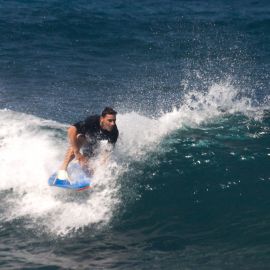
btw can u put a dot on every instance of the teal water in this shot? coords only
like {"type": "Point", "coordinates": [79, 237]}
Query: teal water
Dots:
{"type": "Point", "coordinates": [187, 186]}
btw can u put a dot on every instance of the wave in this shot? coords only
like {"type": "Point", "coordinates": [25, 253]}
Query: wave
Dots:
{"type": "Point", "coordinates": [32, 148]}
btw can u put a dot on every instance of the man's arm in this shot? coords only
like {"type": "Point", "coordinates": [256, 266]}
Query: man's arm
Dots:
{"type": "Point", "coordinates": [72, 135]}
{"type": "Point", "coordinates": [75, 143]}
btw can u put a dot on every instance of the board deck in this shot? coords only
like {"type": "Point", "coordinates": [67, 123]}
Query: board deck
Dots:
{"type": "Point", "coordinates": [78, 179]}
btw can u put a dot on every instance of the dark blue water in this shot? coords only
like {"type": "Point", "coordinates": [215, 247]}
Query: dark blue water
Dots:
{"type": "Point", "coordinates": [187, 186]}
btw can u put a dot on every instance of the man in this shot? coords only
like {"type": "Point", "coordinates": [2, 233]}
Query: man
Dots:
{"type": "Point", "coordinates": [86, 137]}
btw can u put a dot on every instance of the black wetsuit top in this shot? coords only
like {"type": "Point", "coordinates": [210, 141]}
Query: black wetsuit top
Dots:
{"type": "Point", "coordinates": [93, 133]}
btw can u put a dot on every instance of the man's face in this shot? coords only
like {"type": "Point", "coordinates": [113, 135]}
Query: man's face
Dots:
{"type": "Point", "coordinates": [108, 122]}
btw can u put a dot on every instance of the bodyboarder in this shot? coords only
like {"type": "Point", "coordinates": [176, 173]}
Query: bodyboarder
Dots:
{"type": "Point", "coordinates": [85, 138]}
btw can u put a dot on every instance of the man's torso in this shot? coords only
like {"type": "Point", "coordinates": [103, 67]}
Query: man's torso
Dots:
{"type": "Point", "coordinates": [94, 134]}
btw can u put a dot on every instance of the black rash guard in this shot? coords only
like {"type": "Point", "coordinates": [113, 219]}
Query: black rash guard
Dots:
{"type": "Point", "coordinates": [93, 133]}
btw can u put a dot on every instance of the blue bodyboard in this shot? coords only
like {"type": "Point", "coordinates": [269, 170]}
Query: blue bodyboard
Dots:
{"type": "Point", "coordinates": [78, 179]}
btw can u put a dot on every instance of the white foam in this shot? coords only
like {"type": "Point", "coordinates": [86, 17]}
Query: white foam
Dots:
{"type": "Point", "coordinates": [29, 154]}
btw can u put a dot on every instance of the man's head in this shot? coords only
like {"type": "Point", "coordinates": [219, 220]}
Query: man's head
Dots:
{"type": "Point", "coordinates": [108, 119]}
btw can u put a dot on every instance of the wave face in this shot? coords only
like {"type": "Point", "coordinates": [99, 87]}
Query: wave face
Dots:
{"type": "Point", "coordinates": [186, 186]}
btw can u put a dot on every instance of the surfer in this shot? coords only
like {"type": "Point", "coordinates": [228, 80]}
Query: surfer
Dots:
{"type": "Point", "coordinates": [88, 136]}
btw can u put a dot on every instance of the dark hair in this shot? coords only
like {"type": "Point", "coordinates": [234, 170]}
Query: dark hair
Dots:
{"type": "Point", "coordinates": [108, 110]}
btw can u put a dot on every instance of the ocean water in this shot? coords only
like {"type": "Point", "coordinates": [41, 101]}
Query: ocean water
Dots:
{"type": "Point", "coordinates": [188, 184]}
